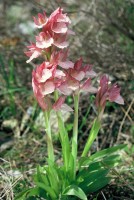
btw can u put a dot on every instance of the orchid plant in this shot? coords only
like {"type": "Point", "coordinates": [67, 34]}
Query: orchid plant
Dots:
{"type": "Point", "coordinates": [53, 81]}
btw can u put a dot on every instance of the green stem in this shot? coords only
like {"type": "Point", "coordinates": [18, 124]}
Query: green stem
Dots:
{"type": "Point", "coordinates": [49, 137]}
{"type": "Point", "coordinates": [63, 137]}
{"type": "Point", "coordinates": [75, 131]}
{"type": "Point", "coordinates": [92, 136]}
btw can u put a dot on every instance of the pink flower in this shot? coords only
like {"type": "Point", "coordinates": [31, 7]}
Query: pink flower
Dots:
{"type": "Point", "coordinates": [44, 72]}
{"type": "Point", "coordinates": [41, 21]}
{"type": "Point", "coordinates": [59, 21]}
{"type": "Point", "coordinates": [58, 16]}
{"type": "Point", "coordinates": [33, 52]}
{"type": "Point", "coordinates": [44, 40]}
{"type": "Point", "coordinates": [60, 40]}
{"type": "Point", "coordinates": [60, 58]}
{"type": "Point", "coordinates": [80, 72]}
{"type": "Point", "coordinates": [69, 85]}
{"type": "Point", "coordinates": [106, 92]}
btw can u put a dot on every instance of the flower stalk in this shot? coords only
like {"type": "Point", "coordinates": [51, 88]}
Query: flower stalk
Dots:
{"type": "Point", "coordinates": [63, 137]}
{"type": "Point", "coordinates": [92, 136]}
{"type": "Point", "coordinates": [75, 131]}
{"type": "Point", "coordinates": [50, 148]}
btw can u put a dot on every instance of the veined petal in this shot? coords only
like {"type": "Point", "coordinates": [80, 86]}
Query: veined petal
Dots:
{"type": "Point", "coordinates": [44, 40]}
{"type": "Point", "coordinates": [46, 74]}
{"type": "Point", "coordinates": [41, 20]}
{"type": "Point", "coordinates": [91, 74]}
{"type": "Point", "coordinates": [66, 64]}
{"type": "Point", "coordinates": [87, 87]}
{"type": "Point", "coordinates": [34, 55]}
{"type": "Point", "coordinates": [67, 108]}
{"type": "Point", "coordinates": [78, 75]}
{"type": "Point", "coordinates": [48, 88]}
{"type": "Point", "coordinates": [45, 43]}
{"type": "Point", "coordinates": [64, 89]}
{"type": "Point", "coordinates": [119, 100]}
{"type": "Point", "coordinates": [73, 84]}
{"type": "Point", "coordinates": [59, 73]}
{"type": "Point", "coordinates": [57, 105]}
{"type": "Point", "coordinates": [61, 45]}
{"type": "Point", "coordinates": [59, 27]}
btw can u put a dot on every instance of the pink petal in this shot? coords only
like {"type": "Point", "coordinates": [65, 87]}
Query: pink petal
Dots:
{"type": "Point", "coordinates": [59, 27]}
{"type": "Point", "coordinates": [48, 88]}
{"type": "Point", "coordinates": [42, 103]}
{"type": "Point", "coordinates": [57, 105]}
{"type": "Point", "coordinates": [34, 55]}
{"type": "Point", "coordinates": [73, 84]}
{"type": "Point", "coordinates": [78, 75]}
{"type": "Point", "coordinates": [64, 89]}
{"type": "Point", "coordinates": [119, 100]}
{"type": "Point", "coordinates": [59, 73]}
{"type": "Point", "coordinates": [78, 64]}
{"type": "Point", "coordinates": [91, 74]}
{"type": "Point", "coordinates": [46, 74]}
{"type": "Point", "coordinates": [41, 21]}
{"type": "Point", "coordinates": [67, 108]}
{"type": "Point", "coordinates": [61, 45]}
{"type": "Point", "coordinates": [44, 40]}
{"type": "Point", "coordinates": [87, 87]}
{"type": "Point", "coordinates": [63, 18]}
{"type": "Point", "coordinates": [67, 64]}
{"type": "Point", "coordinates": [44, 44]}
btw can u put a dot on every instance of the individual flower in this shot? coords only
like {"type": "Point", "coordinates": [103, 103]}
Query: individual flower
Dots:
{"type": "Point", "coordinates": [44, 40]}
{"type": "Point", "coordinates": [33, 52]}
{"type": "Point", "coordinates": [80, 72]}
{"type": "Point", "coordinates": [60, 58]}
{"type": "Point", "coordinates": [108, 92]}
{"type": "Point", "coordinates": [68, 86]}
{"type": "Point", "coordinates": [41, 20]}
{"type": "Point", "coordinates": [59, 21]}
{"type": "Point", "coordinates": [59, 40]}
{"type": "Point", "coordinates": [44, 72]}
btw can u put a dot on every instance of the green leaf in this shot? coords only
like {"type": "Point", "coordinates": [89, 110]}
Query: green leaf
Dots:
{"type": "Point", "coordinates": [74, 190]}
{"type": "Point", "coordinates": [99, 155]}
{"type": "Point", "coordinates": [71, 167]}
{"type": "Point", "coordinates": [52, 175]}
{"type": "Point", "coordinates": [33, 192]}
{"type": "Point", "coordinates": [90, 176]}
{"type": "Point", "coordinates": [111, 161]}
{"type": "Point", "coordinates": [48, 189]}
{"type": "Point", "coordinates": [97, 185]}
{"type": "Point", "coordinates": [106, 152]}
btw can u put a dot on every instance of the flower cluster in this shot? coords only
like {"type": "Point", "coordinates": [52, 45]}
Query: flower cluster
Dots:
{"type": "Point", "coordinates": [53, 34]}
{"type": "Point", "coordinates": [57, 72]}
